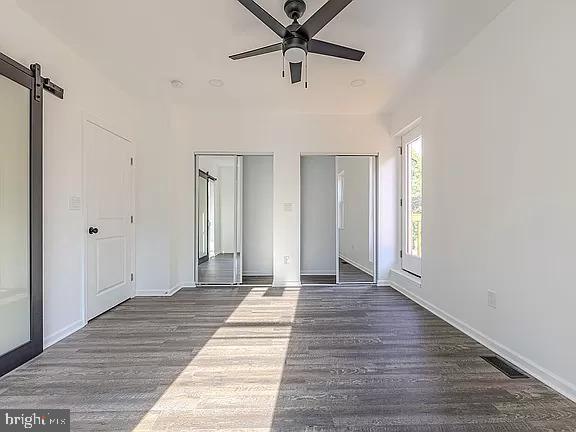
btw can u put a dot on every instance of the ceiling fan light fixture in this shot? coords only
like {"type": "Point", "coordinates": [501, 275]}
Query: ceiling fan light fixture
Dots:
{"type": "Point", "coordinates": [295, 55]}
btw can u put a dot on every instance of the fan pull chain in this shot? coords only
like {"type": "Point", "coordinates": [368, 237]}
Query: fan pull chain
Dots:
{"type": "Point", "coordinates": [306, 72]}
{"type": "Point", "coordinates": [283, 66]}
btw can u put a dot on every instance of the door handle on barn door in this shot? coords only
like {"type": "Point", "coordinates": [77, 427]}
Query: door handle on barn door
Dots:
{"type": "Point", "coordinates": [92, 230]}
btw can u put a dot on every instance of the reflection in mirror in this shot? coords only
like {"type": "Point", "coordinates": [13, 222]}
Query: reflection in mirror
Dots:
{"type": "Point", "coordinates": [318, 220]}
{"type": "Point", "coordinates": [257, 199]}
{"type": "Point", "coordinates": [355, 218]}
{"type": "Point", "coordinates": [215, 197]}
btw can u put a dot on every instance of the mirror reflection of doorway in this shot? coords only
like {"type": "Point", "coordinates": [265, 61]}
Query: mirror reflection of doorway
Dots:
{"type": "Point", "coordinates": [338, 219]}
{"type": "Point", "coordinates": [234, 204]}
{"type": "Point", "coordinates": [205, 216]}
{"type": "Point", "coordinates": [355, 219]}
{"type": "Point", "coordinates": [216, 219]}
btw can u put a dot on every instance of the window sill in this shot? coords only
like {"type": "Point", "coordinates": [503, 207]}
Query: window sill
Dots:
{"type": "Point", "coordinates": [405, 279]}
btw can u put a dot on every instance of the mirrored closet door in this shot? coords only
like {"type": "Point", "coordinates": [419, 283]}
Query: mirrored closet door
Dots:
{"type": "Point", "coordinates": [356, 217]}
{"type": "Point", "coordinates": [338, 219]}
{"type": "Point", "coordinates": [234, 209]}
{"type": "Point", "coordinates": [216, 213]}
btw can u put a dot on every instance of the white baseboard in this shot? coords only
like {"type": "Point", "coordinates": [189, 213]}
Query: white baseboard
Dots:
{"type": "Point", "coordinates": [165, 293]}
{"type": "Point", "coordinates": [406, 280]}
{"type": "Point", "coordinates": [61, 334]}
{"type": "Point", "coordinates": [286, 284]}
{"type": "Point", "coordinates": [542, 374]}
{"type": "Point", "coordinates": [383, 283]}
{"type": "Point", "coordinates": [357, 265]}
{"type": "Point", "coordinates": [331, 272]}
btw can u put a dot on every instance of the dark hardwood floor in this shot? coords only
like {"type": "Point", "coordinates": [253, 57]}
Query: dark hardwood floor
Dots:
{"type": "Point", "coordinates": [296, 359]}
{"type": "Point", "coordinates": [217, 270]}
{"type": "Point", "coordinates": [220, 270]}
{"type": "Point", "coordinates": [318, 279]}
{"type": "Point", "coordinates": [257, 280]}
{"type": "Point", "coordinates": [352, 274]}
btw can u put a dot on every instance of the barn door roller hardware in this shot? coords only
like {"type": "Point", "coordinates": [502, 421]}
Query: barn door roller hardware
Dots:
{"type": "Point", "coordinates": [41, 83]}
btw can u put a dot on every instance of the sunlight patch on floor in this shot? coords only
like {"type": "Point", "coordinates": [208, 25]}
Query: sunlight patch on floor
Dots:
{"type": "Point", "coordinates": [233, 382]}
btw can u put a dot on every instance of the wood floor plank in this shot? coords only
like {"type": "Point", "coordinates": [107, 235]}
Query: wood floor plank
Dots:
{"type": "Point", "coordinates": [326, 358]}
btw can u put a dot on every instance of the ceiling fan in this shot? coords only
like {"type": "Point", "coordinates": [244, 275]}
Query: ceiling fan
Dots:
{"type": "Point", "coordinates": [298, 39]}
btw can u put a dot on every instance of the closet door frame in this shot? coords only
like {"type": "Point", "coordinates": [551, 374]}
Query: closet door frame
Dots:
{"type": "Point", "coordinates": [238, 206]}
{"type": "Point", "coordinates": [32, 80]}
{"type": "Point", "coordinates": [375, 212]}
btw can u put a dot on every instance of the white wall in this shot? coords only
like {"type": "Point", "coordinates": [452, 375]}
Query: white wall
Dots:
{"type": "Point", "coordinates": [87, 93]}
{"type": "Point", "coordinates": [256, 132]}
{"type": "Point", "coordinates": [355, 237]}
{"type": "Point", "coordinates": [257, 197]}
{"type": "Point", "coordinates": [157, 196]}
{"type": "Point", "coordinates": [318, 215]}
{"type": "Point", "coordinates": [499, 184]}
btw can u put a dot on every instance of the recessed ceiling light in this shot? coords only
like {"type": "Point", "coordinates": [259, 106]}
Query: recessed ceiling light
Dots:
{"type": "Point", "coordinates": [177, 83]}
{"type": "Point", "coordinates": [358, 83]}
{"type": "Point", "coordinates": [216, 83]}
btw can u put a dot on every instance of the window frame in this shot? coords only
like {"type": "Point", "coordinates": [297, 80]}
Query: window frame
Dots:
{"type": "Point", "coordinates": [409, 263]}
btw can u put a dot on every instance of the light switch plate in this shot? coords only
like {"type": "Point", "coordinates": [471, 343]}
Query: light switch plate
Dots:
{"type": "Point", "coordinates": [491, 299]}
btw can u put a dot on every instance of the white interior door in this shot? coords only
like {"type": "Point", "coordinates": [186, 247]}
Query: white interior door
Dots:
{"type": "Point", "coordinates": [109, 234]}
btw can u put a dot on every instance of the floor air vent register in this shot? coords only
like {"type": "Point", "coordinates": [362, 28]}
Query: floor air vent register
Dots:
{"type": "Point", "coordinates": [506, 368]}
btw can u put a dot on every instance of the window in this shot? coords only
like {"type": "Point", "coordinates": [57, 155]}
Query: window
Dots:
{"type": "Point", "coordinates": [412, 201]}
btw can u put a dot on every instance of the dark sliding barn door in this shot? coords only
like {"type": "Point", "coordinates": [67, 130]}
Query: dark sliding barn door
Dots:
{"type": "Point", "coordinates": [21, 336]}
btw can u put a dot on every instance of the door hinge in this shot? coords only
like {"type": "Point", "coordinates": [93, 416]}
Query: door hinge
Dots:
{"type": "Point", "coordinates": [401, 254]}
{"type": "Point", "coordinates": [132, 277]}
{"type": "Point", "coordinates": [401, 202]}
{"type": "Point", "coordinates": [401, 151]}
{"type": "Point", "coordinates": [132, 161]}
{"type": "Point", "coordinates": [131, 219]}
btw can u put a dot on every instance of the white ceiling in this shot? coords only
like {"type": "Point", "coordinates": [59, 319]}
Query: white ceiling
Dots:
{"type": "Point", "coordinates": [143, 44]}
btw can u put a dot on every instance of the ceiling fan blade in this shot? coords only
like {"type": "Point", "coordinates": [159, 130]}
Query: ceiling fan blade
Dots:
{"type": "Point", "coordinates": [296, 72]}
{"type": "Point", "coordinates": [322, 17]}
{"type": "Point", "coordinates": [257, 52]}
{"type": "Point", "coordinates": [265, 17]}
{"type": "Point", "coordinates": [329, 49]}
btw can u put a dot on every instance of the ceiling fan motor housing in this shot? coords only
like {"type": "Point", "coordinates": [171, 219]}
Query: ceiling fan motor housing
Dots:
{"type": "Point", "coordinates": [295, 9]}
{"type": "Point", "coordinates": [292, 42]}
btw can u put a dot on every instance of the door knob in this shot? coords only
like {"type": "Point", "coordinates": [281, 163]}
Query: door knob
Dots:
{"type": "Point", "coordinates": [92, 230]}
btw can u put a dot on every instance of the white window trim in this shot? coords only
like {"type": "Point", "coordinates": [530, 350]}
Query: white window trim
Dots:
{"type": "Point", "coordinates": [408, 263]}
